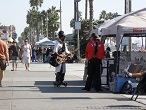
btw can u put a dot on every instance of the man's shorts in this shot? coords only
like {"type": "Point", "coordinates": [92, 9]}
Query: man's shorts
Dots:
{"type": "Point", "coordinates": [2, 64]}
{"type": "Point", "coordinates": [14, 58]}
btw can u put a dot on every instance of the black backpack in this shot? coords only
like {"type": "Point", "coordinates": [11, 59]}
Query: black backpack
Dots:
{"type": "Point", "coordinates": [53, 60]}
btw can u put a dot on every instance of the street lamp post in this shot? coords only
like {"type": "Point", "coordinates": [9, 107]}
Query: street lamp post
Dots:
{"type": "Point", "coordinates": [76, 16]}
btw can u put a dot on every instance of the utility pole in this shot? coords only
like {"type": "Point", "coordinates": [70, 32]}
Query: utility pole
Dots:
{"type": "Point", "coordinates": [128, 10]}
{"type": "Point", "coordinates": [127, 6]}
{"type": "Point", "coordinates": [60, 17]}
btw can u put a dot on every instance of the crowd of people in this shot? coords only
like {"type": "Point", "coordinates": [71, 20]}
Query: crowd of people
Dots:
{"type": "Point", "coordinates": [41, 54]}
{"type": "Point", "coordinates": [27, 53]}
{"type": "Point", "coordinates": [38, 54]}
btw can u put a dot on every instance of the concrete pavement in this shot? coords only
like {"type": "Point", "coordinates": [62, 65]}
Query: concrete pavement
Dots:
{"type": "Point", "coordinates": [34, 90]}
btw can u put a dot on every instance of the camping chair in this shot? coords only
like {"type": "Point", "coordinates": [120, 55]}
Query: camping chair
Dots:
{"type": "Point", "coordinates": [137, 88]}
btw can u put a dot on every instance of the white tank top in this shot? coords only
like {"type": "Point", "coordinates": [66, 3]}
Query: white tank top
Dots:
{"type": "Point", "coordinates": [26, 50]}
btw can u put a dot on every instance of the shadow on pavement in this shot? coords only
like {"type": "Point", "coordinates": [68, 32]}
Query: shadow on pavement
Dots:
{"type": "Point", "coordinates": [70, 83]}
{"type": "Point", "coordinates": [117, 107]}
{"type": "Point", "coordinates": [72, 87]}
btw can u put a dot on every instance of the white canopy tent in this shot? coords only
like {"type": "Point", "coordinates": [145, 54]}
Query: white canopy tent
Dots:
{"type": "Point", "coordinates": [132, 23]}
{"type": "Point", "coordinates": [43, 40]}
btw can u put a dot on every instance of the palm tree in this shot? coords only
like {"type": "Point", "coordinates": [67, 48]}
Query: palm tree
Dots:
{"type": "Point", "coordinates": [115, 15]}
{"type": "Point", "coordinates": [43, 22]}
{"type": "Point", "coordinates": [35, 3]}
{"type": "Point", "coordinates": [53, 24]}
{"type": "Point", "coordinates": [91, 14]}
{"type": "Point", "coordinates": [103, 15]}
{"type": "Point", "coordinates": [33, 19]}
{"type": "Point", "coordinates": [109, 16]}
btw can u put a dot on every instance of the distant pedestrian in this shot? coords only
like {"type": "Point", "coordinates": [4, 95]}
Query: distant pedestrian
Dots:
{"type": "Point", "coordinates": [14, 53]}
{"type": "Point", "coordinates": [44, 54]}
{"type": "Point", "coordinates": [26, 54]}
{"type": "Point", "coordinates": [40, 54]}
{"type": "Point", "coordinates": [107, 52]}
{"type": "Point", "coordinates": [94, 54]}
{"type": "Point", "coordinates": [34, 54]}
{"type": "Point", "coordinates": [48, 54]}
{"type": "Point", "coordinates": [4, 56]}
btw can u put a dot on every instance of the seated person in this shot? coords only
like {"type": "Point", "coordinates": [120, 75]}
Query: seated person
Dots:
{"type": "Point", "coordinates": [134, 75]}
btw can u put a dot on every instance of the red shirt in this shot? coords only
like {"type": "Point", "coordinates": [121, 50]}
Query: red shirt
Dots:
{"type": "Point", "coordinates": [90, 50]}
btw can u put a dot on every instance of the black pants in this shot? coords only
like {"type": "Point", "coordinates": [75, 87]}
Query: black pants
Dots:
{"type": "Point", "coordinates": [94, 74]}
{"type": "Point", "coordinates": [60, 75]}
{"type": "Point", "coordinates": [44, 56]}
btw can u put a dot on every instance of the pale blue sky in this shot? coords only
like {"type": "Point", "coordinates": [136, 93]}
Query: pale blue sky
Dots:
{"type": "Point", "coordinates": [13, 12]}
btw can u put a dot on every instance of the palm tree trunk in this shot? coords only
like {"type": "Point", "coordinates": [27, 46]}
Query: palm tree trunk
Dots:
{"type": "Point", "coordinates": [91, 14]}
{"type": "Point", "coordinates": [37, 31]}
{"type": "Point", "coordinates": [33, 38]}
{"type": "Point", "coordinates": [86, 6]}
{"type": "Point", "coordinates": [30, 37]}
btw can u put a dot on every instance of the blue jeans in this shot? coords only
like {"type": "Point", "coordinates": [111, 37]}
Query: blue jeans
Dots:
{"type": "Point", "coordinates": [48, 58]}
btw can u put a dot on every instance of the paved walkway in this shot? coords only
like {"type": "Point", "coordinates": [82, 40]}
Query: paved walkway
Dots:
{"type": "Point", "coordinates": [34, 90]}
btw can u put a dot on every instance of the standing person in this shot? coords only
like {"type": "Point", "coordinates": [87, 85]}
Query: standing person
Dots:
{"type": "Point", "coordinates": [26, 54]}
{"type": "Point", "coordinates": [33, 54]}
{"type": "Point", "coordinates": [48, 54]}
{"type": "Point", "coordinates": [40, 55]}
{"type": "Point", "coordinates": [60, 48]}
{"type": "Point", "coordinates": [107, 52]}
{"type": "Point", "coordinates": [94, 54]}
{"type": "Point", "coordinates": [44, 54]}
{"type": "Point", "coordinates": [14, 53]}
{"type": "Point", "coordinates": [4, 56]}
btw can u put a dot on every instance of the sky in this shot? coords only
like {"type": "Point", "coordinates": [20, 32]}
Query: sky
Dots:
{"type": "Point", "coordinates": [13, 12]}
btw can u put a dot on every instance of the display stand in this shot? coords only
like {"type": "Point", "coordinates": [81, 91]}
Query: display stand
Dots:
{"type": "Point", "coordinates": [106, 66]}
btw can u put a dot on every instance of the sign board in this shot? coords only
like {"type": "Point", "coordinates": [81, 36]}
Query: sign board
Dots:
{"type": "Point", "coordinates": [138, 29]}
{"type": "Point", "coordinates": [135, 35]}
{"type": "Point", "coordinates": [77, 25]}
